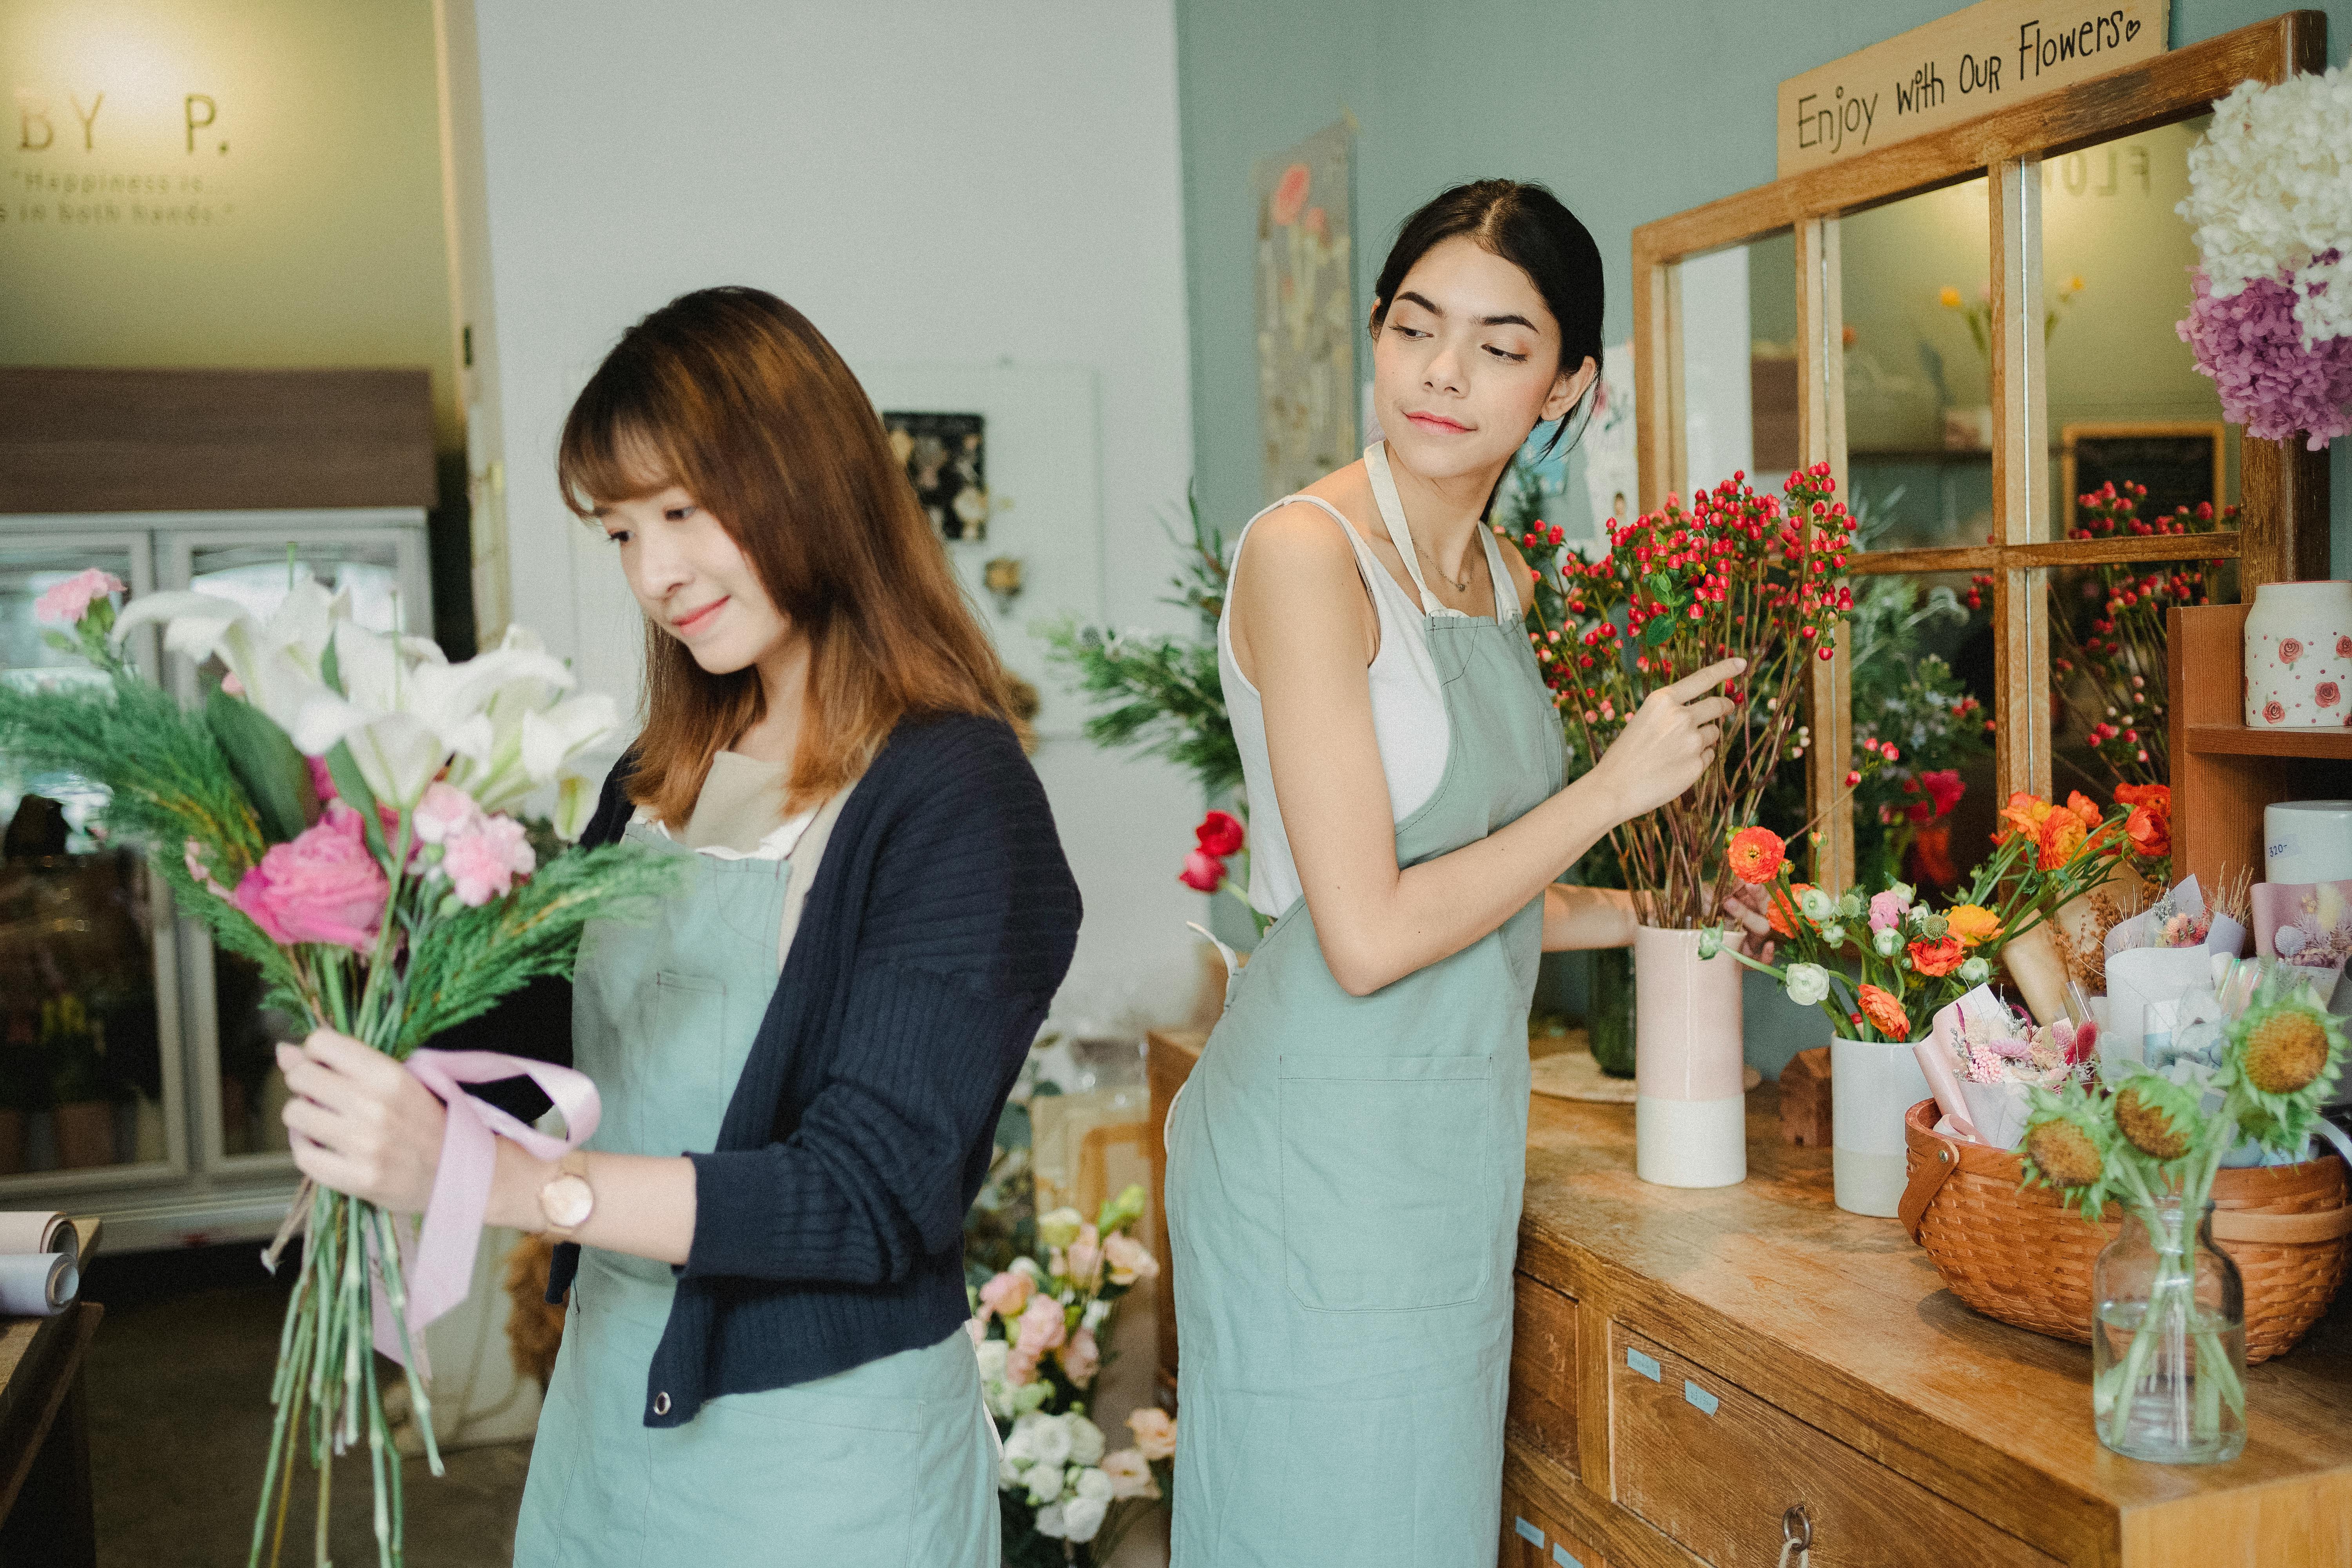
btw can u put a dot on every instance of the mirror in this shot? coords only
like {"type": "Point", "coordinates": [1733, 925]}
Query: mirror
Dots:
{"type": "Point", "coordinates": [1738, 390]}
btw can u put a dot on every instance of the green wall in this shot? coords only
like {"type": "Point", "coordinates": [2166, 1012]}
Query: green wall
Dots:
{"type": "Point", "coordinates": [1628, 113]}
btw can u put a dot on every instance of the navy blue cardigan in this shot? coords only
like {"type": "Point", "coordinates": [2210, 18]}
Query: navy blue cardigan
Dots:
{"type": "Point", "coordinates": [828, 1224]}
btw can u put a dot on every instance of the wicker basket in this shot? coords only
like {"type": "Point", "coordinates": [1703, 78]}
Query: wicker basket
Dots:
{"type": "Point", "coordinates": [2015, 1254]}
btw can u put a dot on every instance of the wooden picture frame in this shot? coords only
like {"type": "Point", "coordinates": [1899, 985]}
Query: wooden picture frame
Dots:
{"type": "Point", "coordinates": [2197, 441]}
{"type": "Point", "coordinates": [2283, 523]}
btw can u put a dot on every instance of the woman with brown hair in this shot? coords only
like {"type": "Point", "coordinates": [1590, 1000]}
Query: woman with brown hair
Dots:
{"type": "Point", "coordinates": [803, 1053]}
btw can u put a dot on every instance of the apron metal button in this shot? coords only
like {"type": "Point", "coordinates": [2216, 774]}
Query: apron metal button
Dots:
{"type": "Point", "coordinates": [661, 1404]}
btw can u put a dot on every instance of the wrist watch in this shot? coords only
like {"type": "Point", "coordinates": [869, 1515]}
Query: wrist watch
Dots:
{"type": "Point", "coordinates": [567, 1200]}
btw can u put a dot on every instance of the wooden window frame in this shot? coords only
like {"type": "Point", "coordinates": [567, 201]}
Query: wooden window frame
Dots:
{"type": "Point", "coordinates": [2283, 517]}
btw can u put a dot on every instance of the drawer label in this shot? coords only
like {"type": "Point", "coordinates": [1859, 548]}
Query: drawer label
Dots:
{"type": "Point", "coordinates": [1528, 1532]}
{"type": "Point", "coordinates": [1695, 1395]}
{"type": "Point", "coordinates": [1646, 1366]}
{"type": "Point", "coordinates": [1559, 1555]}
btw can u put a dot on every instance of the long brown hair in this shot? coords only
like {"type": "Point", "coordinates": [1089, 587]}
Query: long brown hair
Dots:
{"type": "Point", "coordinates": [732, 394]}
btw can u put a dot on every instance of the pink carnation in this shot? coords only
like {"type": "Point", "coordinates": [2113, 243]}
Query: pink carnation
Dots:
{"type": "Point", "coordinates": [322, 887]}
{"type": "Point", "coordinates": [445, 812]}
{"type": "Point", "coordinates": [484, 861]}
{"type": "Point", "coordinates": [2251, 345]}
{"type": "Point", "coordinates": [66, 604]}
{"type": "Point", "coordinates": [1082, 1358]}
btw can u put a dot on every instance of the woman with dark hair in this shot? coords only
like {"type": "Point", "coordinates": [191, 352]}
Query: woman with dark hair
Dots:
{"type": "Point", "coordinates": [804, 1052]}
{"type": "Point", "coordinates": [1344, 1167]}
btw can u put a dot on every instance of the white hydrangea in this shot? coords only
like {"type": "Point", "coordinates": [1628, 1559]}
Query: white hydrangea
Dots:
{"type": "Point", "coordinates": [2270, 191]}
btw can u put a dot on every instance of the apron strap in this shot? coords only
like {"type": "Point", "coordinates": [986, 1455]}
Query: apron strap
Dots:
{"type": "Point", "coordinates": [1391, 505]}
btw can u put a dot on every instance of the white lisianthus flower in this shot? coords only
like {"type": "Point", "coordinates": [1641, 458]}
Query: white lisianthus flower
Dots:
{"type": "Point", "coordinates": [1808, 985]}
{"type": "Point", "coordinates": [1044, 1482]}
{"type": "Point", "coordinates": [1049, 1521]}
{"type": "Point", "coordinates": [990, 1354]}
{"type": "Point", "coordinates": [1082, 1515]}
{"type": "Point", "coordinates": [1049, 1439]}
{"type": "Point", "coordinates": [1085, 1439]}
{"type": "Point", "coordinates": [1008, 1471]}
{"type": "Point", "coordinates": [1021, 1443]}
{"type": "Point", "coordinates": [1098, 1308]}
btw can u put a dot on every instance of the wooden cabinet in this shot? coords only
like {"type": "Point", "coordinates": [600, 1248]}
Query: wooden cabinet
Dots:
{"type": "Point", "coordinates": [1544, 1370]}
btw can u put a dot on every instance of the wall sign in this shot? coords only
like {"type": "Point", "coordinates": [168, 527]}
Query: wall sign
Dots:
{"type": "Point", "coordinates": [1992, 55]}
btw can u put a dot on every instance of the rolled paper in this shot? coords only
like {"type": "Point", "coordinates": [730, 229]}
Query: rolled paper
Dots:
{"type": "Point", "coordinates": [1937, 1053]}
{"type": "Point", "coordinates": [31, 1230]}
{"type": "Point", "coordinates": [2033, 962]}
{"type": "Point", "coordinates": [36, 1284]}
{"type": "Point", "coordinates": [438, 1268]}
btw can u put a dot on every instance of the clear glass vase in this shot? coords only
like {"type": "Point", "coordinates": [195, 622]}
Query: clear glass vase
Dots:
{"type": "Point", "coordinates": [2168, 1341]}
{"type": "Point", "coordinates": [1610, 1010]}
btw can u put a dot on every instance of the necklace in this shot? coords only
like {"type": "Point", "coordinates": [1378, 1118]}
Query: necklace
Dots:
{"type": "Point", "coordinates": [1461, 584]}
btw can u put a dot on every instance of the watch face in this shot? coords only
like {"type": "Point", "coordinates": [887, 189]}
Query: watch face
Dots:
{"type": "Point", "coordinates": [566, 1201]}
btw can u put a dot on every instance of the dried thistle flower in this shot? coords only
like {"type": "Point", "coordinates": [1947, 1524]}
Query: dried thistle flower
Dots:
{"type": "Point", "coordinates": [2152, 1128]}
{"type": "Point", "coordinates": [2068, 1156]}
{"type": "Point", "coordinates": [2286, 1052]}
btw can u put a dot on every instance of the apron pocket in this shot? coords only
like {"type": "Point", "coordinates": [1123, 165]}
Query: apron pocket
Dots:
{"type": "Point", "coordinates": [1390, 1187]}
{"type": "Point", "coordinates": [689, 1032]}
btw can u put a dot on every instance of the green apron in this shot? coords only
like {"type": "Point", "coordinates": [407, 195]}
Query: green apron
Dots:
{"type": "Point", "coordinates": [1344, 1176]}
{"type": "Point", "coordinates": [892, 1462]}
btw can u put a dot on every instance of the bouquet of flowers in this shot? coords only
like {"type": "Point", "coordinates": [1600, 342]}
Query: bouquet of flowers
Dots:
{"type": "Point", "coordinates": [2270, 194]}
{"type": "Point", "coordinates": [339, 813]}
{"type": "Point", "coordinates": [1735, 573]}
{"type": "Point", "coordinates": [1038, 1326]}
{"type": "Point", "coordinates": [1982, 1057]}
{"type": "Point", "coordinates": [1880, 964]}
{"type": "Point", "coordinates": [2153, 1142]}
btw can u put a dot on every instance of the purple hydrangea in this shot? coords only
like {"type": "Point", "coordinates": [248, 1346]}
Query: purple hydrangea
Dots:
{"type": "Point", "coordinates": [2251, 345]}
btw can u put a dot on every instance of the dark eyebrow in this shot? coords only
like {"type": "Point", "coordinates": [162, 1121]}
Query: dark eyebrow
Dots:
{"type": "Point", "coordinates": [1426, 303]}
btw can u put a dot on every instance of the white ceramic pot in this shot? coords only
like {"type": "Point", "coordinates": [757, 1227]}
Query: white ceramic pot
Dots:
{"type": "Point", "coordinates": [1690, 1105]}
{"type": "Point", "coordinates": [2299, 657]}
{"type": "Point", "coordinates": [2307, 841]}
{"type": "Point", "coordinates": [1872, 1086]}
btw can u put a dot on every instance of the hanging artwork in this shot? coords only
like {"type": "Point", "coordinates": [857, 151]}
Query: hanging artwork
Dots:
{"type": "Point", "coordinates": [1306, 321]}
{"type": "Point", "coordinates": [944, 455]}
{"type": "Point", "coordinates": [1611, 469]}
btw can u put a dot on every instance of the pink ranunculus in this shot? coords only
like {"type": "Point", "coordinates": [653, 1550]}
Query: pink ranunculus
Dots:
{"type": "Point", "coordinates": [1202, 871]}
{"type": "Point", "coordinates": [1128, 1259]}
{"type": "Point", "coordinates": [445, 812]}
{"type": "Point", "coordinates": [484, 861]}
{"type": "Point", "coordinates": [322, 887]}
{"type": "Point", "coordinates": [1042, 1327]}
{"type": "Point", "coordinates": [323, 778]}
{"type": "Point", "coordinates": [66, 604]}
{"type": "Point", "coordinates": [1082, 1358]}
{"type": "Point", "coordinates": [1006, 1295]}
{"type": "Point", "coordinates": [1085, 1257]}
{"type": "Point", "coordinates": [1887, 909]}
{"type": "Point", "coordinates": [1155, 1431]}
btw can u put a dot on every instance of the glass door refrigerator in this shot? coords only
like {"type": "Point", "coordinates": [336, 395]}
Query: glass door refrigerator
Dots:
{"type": "Point", "coordinates": [136, 1075]}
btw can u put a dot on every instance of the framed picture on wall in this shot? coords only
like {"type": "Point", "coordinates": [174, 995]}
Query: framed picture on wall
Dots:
{"type": "Point", "coordinates": [945, 457]}
{"type": "Point", "coordinates": [2181, 461]}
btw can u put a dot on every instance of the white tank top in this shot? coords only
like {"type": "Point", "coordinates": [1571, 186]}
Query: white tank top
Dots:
{"type": "Point", "coordinates": [1408, 699]}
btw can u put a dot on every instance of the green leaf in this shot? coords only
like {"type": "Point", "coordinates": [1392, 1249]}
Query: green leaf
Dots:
{"type": "Point", "coordinates": [1657, 631]}
{"type": "Point", "coordinates": [265, 762]}
{"type": "Point", "coordinates": [352, 785]}
{"type": "Point", "coordinates": [62, 643]}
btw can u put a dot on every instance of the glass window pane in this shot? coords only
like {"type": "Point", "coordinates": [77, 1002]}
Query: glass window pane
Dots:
{"type": "Point", "coordinates": [27, 572]}
{"type": "Point", "coordinates": [1923, 684]}
{"type": "Point", "coordinates": [2127, 402]}
{"type": "Point", "coordinates": [2107, 677]}
{"type": "Point", "coordinates": [1916, 286]}
{"type": "Point", "coordinates": [251, 1092]}
{"type": "Point", "coordinates": [258, 575]}
{"type": "Point", "coordinates": [1737, 310]}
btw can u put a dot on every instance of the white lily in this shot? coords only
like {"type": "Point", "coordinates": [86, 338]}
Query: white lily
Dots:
{"type": "Point", "coordinates": [276, 662]}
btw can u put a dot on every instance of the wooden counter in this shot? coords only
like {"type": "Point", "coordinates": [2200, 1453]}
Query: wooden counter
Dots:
{"type": "Point", "coordinates": [1689, 1365]}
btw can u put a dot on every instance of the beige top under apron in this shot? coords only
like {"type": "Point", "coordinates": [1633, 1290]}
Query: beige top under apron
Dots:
{"type": "Point", "coordinates": [739, 816]}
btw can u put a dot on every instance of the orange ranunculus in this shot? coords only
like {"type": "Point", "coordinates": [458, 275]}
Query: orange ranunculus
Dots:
{"type": "Point", "coordinates": [2157, 798]}
{"type": "Point", "coordinates": [2024, 813]}
{"type": "Point", "coordinates": [1973, 923]}
{"type": "Point", "coordinates": [1885, 1013]}
{"type": "Point", "coordinates": [1782, 912]}
{"type": "Point", "coordinates": [2084, 807]}
{"type": "Point", "coordinates": [2062, 836]}
{"type": "Point", "coordinates": [1936, 958]}
{"type": "Point", "coordinates": [2150, 831]}
{"type": "Point", "coordinates": [1756, 855]}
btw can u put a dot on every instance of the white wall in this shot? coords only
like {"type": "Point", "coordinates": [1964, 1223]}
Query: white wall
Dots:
{"type": "Point", "coordinates": [933, 184]}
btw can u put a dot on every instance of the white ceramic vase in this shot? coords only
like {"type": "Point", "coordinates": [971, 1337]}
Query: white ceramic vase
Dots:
{"type": "Point", "coordinates": [1690, 1106]}
{"type": "Point", "coordinates": [2298, 673]}
{"type": "Point", "coordinates": [1872, 1087]}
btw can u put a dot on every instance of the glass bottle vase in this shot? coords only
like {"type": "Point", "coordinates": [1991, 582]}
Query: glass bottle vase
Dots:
{"type": "Point", "coordinates": [1610, 1010]}
{"type": "Point", "coordinates": [2168, 1341]}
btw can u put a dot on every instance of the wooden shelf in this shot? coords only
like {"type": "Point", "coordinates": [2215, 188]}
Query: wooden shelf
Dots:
{"type": "Point", "coordinates": [2239, 741]}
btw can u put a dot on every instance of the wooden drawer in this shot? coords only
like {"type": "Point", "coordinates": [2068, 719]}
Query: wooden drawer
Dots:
{"type": "Point", "coordinates": [1534, 1538]}
{"type": "Point", "coordinates": [1543, 1373]}
{"type": "Point", "coordinates": [1717, 1468]}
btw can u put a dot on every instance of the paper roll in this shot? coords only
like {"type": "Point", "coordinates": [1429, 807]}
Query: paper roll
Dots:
{"type": "Point", "coordinates": [27, 1230]}
{"type": "Point", "coordinates": [36, 1284]}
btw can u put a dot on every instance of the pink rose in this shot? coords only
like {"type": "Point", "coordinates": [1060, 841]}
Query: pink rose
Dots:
{"type": "Point", "coordinates": [322, 887]}
{"type": "Point", "coordinates": [1128, 1259]}
{"type": "Point", "coordinates": [1042, 1327]}
{"type": "Point", "coordinates": [445, 812]}
{"type": "Point", "coordinates": [2290, 649]}
{"type": "Point", "coordinates": [484, 861]}
{"type": "Point", "coordinates": [1082, 1358]}
{"type": "Point", "coordinates": [2326, 694]}
{"type": "Point", "coordinates": [1887, 911]}
{"type": "Point", "coordinates": [66, 604]}
{"type": "Point", "coordinates": [1155, 1431]}
{"type": "Point", "coordinates": [1006, 1296]}
{"type": "Point", "coordinates": [2273, 713]}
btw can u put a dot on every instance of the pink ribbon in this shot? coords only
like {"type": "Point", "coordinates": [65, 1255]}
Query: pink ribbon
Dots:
{"type": "Point", "coordinates": [439, 1265]}
{"type": "Point", "coordinates": [1936, 1054]}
